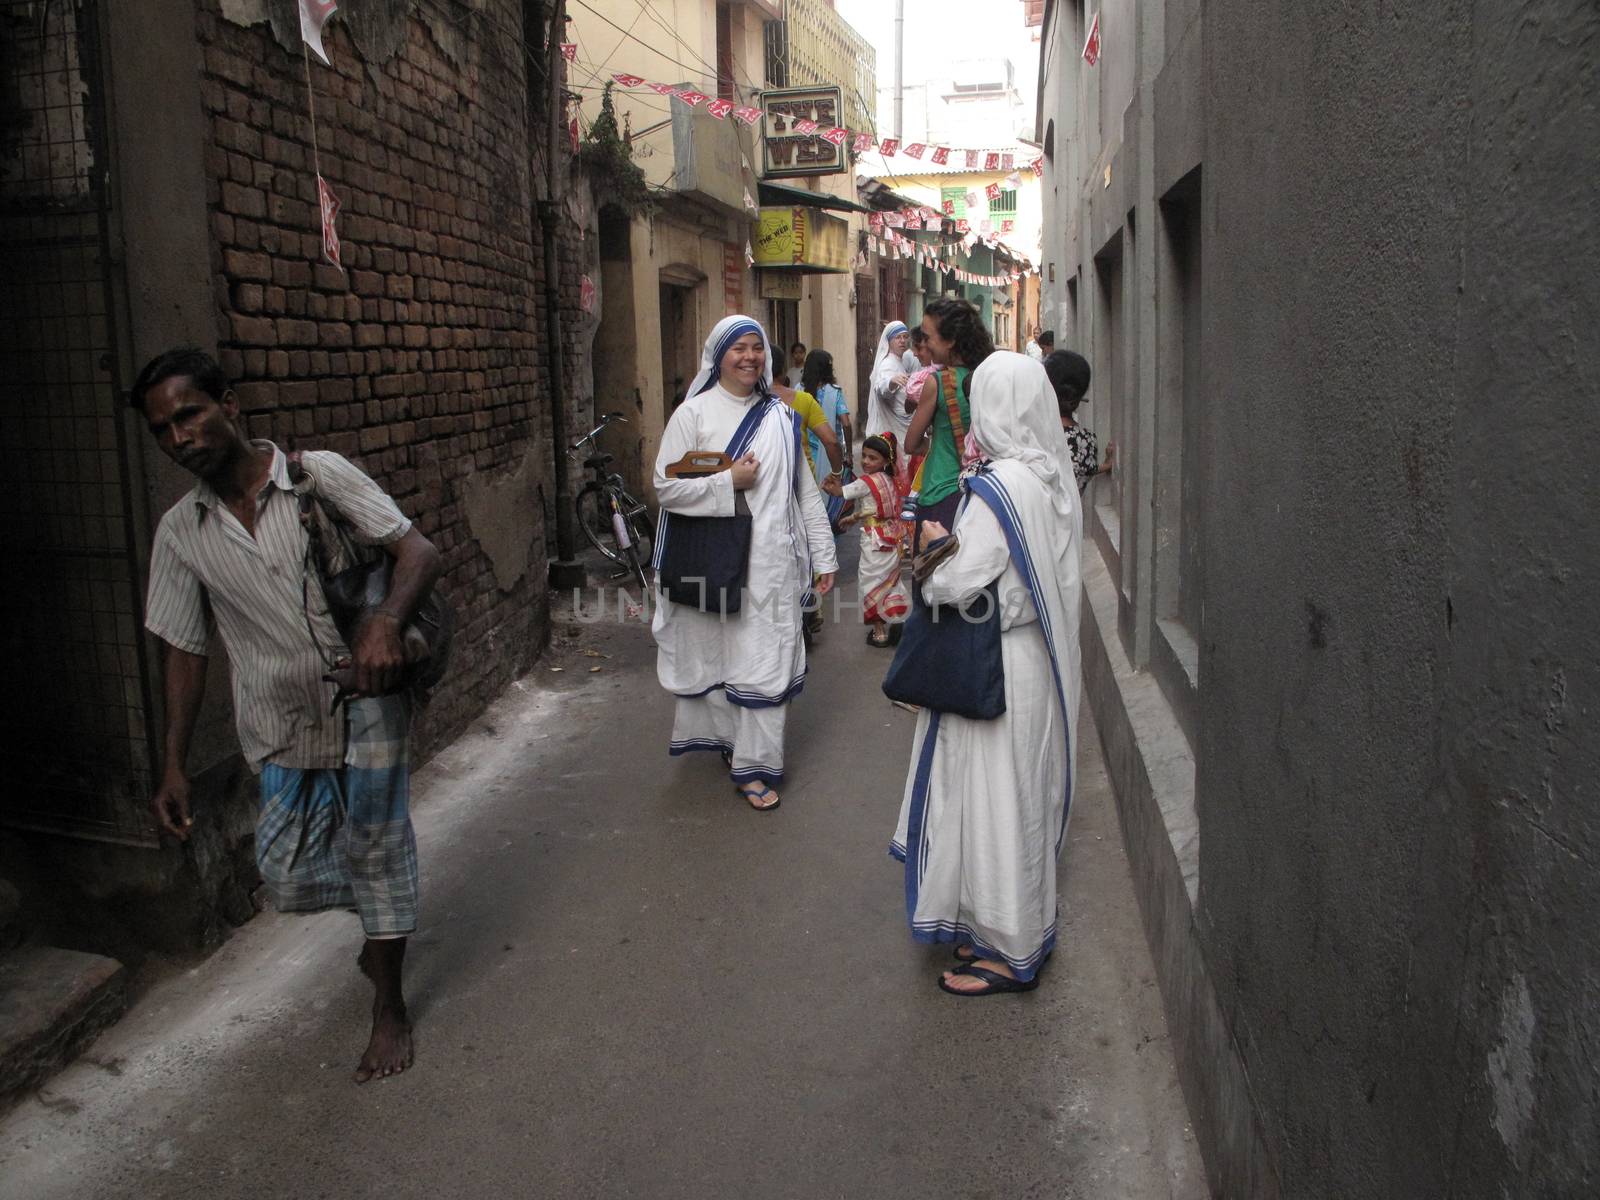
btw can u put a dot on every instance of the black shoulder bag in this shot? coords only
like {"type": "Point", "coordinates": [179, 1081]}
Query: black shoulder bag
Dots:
{"type": "Point", "coordinates": [355, 580]}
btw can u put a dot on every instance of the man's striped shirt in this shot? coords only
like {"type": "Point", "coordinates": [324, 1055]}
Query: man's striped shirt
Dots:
{"type": "Point", "coordinates": [264, 596]}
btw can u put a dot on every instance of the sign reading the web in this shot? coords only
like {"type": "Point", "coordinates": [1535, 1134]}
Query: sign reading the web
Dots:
{"type": "Point", "coordinates": [803, 135]}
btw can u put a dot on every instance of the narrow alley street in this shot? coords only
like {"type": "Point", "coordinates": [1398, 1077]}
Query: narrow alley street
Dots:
{"type": "Point", "coordinates": [627, 984]}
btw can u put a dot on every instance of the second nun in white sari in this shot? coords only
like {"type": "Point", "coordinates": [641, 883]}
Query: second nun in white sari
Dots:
{"type": "Point", "coordinates": [886, 412]}
{"type": "Point", "coordinates": [985, 807]}
{"type": "Point", "coordinates": [733, 676]}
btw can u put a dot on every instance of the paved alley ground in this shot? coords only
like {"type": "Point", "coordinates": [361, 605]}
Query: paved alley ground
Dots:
{"type": "Point", "coordinates": [630, 985]}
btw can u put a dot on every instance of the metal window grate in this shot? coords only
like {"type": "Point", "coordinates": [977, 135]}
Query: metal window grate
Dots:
{"type": "Point", "coordinates": [78, 752]}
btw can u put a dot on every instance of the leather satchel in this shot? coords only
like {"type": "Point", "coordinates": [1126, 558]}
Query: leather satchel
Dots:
{"type": "Point", "coordinates": [949, 657]}
{"type": "Point", "coordinates": [355, 579]}
{"type": "Point", "coordinates": [703, 562]}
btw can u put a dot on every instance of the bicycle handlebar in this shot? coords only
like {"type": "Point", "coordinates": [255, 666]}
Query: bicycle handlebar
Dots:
{"type": "Point", "coordinates": [589, 437]}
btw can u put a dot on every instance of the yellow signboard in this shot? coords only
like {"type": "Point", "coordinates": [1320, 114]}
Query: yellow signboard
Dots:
{"type": "Point", "coordinates": [802, 237]}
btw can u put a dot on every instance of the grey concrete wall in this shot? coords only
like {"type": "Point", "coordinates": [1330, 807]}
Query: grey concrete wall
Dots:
{"type": "Point", "coordinates": [1396, 755]}
{"type": "Point", "coordinates": [1381, 970]}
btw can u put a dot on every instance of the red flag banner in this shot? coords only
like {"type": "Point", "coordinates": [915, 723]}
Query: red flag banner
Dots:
{"type": "Point", "coordinates": [915, 150]}
{"type": "Point", "coordinates": [889, 146]}
{"type": "Point", "coordinates": [1091, 44]}
{"type": "Point", "coordinates": [586, 294]}
{"type": "Point", "coordinates": [949, 208]}
{"type": "Point", "coordinates": [941, 155]}
{"type": "Point", "coordinates": [720, 108]}
{"type": "Point", "coordinates": [914, 221]}
{"type": "Point", "coordinates": [569, 51]}
{"type": "Point", "coordinates": [1038, 166]}
{"type": "Point", "coordinates": [692, 98]}
{"type": "Point", "coordinates": [836, 135]}
{"type": "Point", "coordinates": [972, 160]}
{"type": "Point", "coordinates": [1007, 225]}
{"type": "Point", "coordinates": [805, 126]}
{"type": "Point", "coordinates": [1008, 162]}
{"type": "Point", "coordinates": [329, 203]}
{"type": "Point", "coordinates": [963, 226]}
{"type": "Point", "coordinates": [863, 143]}
{"type": "Point", "coordinates": [662, 89]}
{"type": "Point", "coordinates": [991, 162]}
{"type": "Point", "coordinates": [629, 81]}
{"type": "Point", "coordinates": [992, 191]}
{"type": "Point", "coordinates": [747, 114]}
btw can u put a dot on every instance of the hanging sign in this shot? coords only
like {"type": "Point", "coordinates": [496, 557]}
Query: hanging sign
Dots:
{"type": "Point", "coordinates": [802, 237]}
{"type": "Point", "coordinates": [792, 145]}
{"type": "Point", "coordinates": [782, 285]}
{"type": "Point", "coordinates": [1091, 44]}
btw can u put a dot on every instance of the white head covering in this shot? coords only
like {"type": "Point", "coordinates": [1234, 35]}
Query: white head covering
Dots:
{"type": "Point", "coordinates": [723, 335]}
{"type": "Point", "coordinates": [889, 331]}
{"type": "Point", "coordinates": [1015, 416]}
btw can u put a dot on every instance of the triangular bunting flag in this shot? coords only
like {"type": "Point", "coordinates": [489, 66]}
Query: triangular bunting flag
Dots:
{"type": "Point", "coordinates": [314, 15]}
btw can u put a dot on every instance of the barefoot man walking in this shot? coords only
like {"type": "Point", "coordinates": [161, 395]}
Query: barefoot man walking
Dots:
{"type": "Point", "coordinates": [334, 828]}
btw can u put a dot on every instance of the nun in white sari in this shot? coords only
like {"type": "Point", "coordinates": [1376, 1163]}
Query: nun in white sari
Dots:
{"type": "Point", "coordinates": [985, 808]}
{"type": "Point", "coordinates": [734, 675]}
{"type": "Point", "coordinates": [886, 412]}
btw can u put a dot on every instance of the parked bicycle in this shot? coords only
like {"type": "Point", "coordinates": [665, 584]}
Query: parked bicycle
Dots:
{"type": "Point", "coordinates": [615, 523]}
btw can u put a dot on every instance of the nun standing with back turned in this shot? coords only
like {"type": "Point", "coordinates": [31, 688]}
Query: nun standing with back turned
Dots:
{"type": "Point", "coordinates": [985, 808]}
{"type": "Point", "coordinates": [734, 675]}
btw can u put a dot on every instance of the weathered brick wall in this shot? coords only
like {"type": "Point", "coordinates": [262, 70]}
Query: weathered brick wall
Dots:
{"type": "Point", "coordinates": [425, 362]}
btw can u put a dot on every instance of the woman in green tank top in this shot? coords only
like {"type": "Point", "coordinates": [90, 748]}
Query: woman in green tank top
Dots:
{"type": "Point", "coordinates": [958, 339]}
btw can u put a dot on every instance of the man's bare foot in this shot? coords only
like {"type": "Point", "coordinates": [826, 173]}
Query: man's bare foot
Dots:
{"type": "Point", "coordinates": [389, 1051]}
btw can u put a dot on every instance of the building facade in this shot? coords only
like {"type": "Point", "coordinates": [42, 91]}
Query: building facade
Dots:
{"type": "Point", "coordinates": [666, 273]}
{"type": "Point", "coordinates": [1317, 256]}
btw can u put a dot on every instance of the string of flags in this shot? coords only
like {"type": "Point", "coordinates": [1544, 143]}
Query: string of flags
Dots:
{"type": "Point", "coordinates": [860, 143]}
{"type": "Point", "coordinates": [885, 237]}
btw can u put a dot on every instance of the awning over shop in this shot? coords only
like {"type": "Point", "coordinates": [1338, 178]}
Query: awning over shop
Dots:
{"type": "Point", "coordinates": [802, 240]}
{"type": "Point", "coordinates": [781, 193]}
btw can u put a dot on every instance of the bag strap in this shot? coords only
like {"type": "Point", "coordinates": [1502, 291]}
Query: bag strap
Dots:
{"type": "Point", "coordinates": [305, 491]}
{"type": "Point", "coordinates": [950, 390]}
{"type": "Point", "coordinates": [746, 433]}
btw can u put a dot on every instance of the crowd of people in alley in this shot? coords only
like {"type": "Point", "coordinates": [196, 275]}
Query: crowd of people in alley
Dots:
{"type": "Point", "coordinates": [965, 499]}
{"type": "Point", "coordinates": [959, 473]}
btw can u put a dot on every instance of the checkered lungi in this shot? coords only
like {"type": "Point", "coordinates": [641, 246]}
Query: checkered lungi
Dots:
{"type": "Point", "coordinates": [342, 837]}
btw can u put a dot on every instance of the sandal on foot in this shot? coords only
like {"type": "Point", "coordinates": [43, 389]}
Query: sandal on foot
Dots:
{"type": "Point", "coordinates": [967, 954]}
{"type": "Point", "coordinates": [874, 640]}
{"type": "Point", "coordinates": [759, 791]}
{"type": "Point", "coordinates": [996, 982]}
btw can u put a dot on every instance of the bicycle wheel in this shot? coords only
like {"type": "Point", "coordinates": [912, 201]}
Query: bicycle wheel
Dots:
{"type": "Point", "coordinates": [594, 518]}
